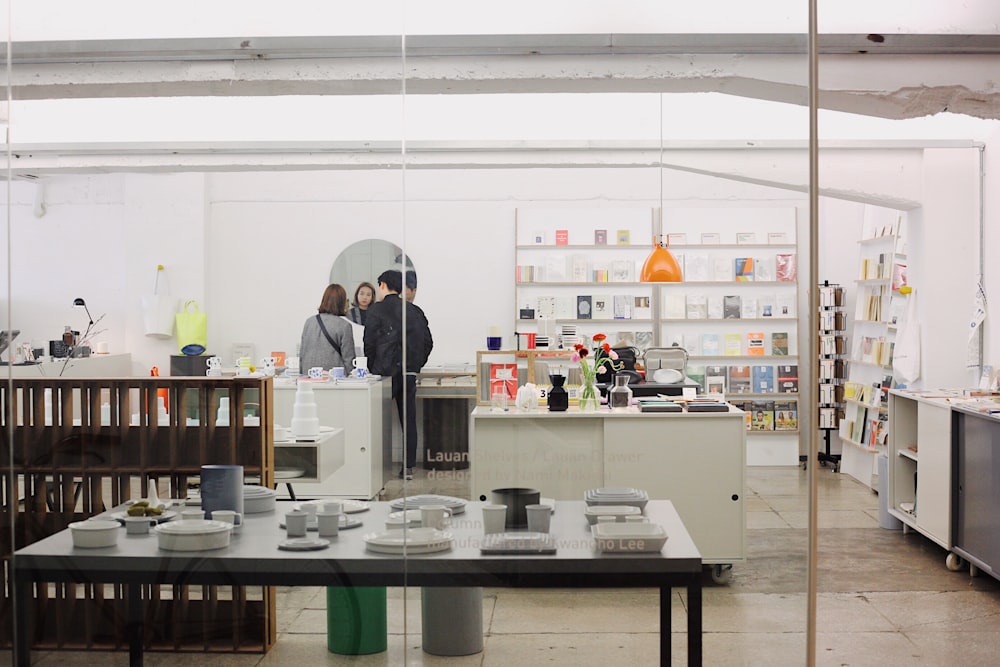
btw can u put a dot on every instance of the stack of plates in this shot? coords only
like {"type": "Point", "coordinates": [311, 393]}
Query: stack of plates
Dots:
{"type": "Point", "coordinates": [617, 496]}
{"type": "Point", "coordinates": [415, 541]}
{"type": "Point", "coordinates": [258, 499]}
{"type": "Point", "coordinates": [456, 505]}
{"type": "Point", "coordinates": [347, 506]}
{"type": "Point", "coordinates": [312, 523]}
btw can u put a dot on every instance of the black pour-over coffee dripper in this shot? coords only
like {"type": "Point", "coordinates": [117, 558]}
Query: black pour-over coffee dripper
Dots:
{"type": "Point", "coordinates": [558, 398]}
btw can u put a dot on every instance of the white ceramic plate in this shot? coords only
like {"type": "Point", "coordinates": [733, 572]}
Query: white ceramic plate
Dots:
{"type": "Point", "coordinates": [167, 515]}
{"type": "Point", "coordinates": [409, 517]}
{"type": "Point", "coordinates": [288, 473]}
{"type": "Point", "coordinates": [456, 505]}
{"type": "Point", "coordinates": [355, 506]}
{"type": "Point", "coordinates": [346, 522]}
{"type": "Point", "coordinates": [416, 540]}
{"type": "Point", "coordinates": [304, 544]}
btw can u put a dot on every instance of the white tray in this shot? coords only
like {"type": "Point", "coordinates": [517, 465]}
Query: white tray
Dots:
{"type": "Point", "coordinates": [629, 537]}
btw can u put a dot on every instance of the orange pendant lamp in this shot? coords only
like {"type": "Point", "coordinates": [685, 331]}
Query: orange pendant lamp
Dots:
{"type": "Point", "coordinates": [661, 266]}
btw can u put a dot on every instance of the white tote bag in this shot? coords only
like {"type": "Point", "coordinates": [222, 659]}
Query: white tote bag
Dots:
{"type": "Point", "coordinates": [158, 310]}
{"type": "Point", "coordinates": [906, 354]}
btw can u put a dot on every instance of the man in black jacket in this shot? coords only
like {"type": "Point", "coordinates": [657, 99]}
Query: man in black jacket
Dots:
{"type": "Point", "coordinates": [384, 349]}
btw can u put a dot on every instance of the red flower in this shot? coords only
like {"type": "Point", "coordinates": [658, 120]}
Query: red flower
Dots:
{"type": "Point", "coordinates": [607, 348]}
{"type": "Point", "coordinates": [599, 337]}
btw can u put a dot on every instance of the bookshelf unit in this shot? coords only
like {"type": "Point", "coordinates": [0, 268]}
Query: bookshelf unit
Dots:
{"type": "Point", "coordinates": [832, 370]}
{"type": "Point", "coordinates": [736, 309]}
{"type": "Point", "coordinates": [864, 430]}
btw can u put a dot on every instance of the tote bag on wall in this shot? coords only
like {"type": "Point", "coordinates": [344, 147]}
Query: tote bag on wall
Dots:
{"type": "Point", "coordinates": [158, 310]}
{"type": "Point", "coordinates": [192, 329]}
{"type": "Point", "coordinates": [906, 355]}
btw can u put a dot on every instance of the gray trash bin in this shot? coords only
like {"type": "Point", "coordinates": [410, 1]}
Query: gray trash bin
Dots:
{"type": "Point", "coordinates": [452, 620]}
{"type": "Point", "coordinates": [885, 520]}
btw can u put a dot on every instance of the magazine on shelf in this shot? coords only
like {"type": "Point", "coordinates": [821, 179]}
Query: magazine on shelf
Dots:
{"type": "Point", "coordinates": [743, 269]}
{"type": "Point", "coordinates": [788, 379]}
{"type": "Point", "coordinates": [732, 306]}
{"type": "Point", "coordinates": [786, 268]}
{"type": "Point", "coordinates": [641, 309]}
{"type": "Point", "coordinates": [722, 270]}
{"type": "Point", "coordinates": [623, 306]}
{"type": "Point", "coordinates": [674, 307]}
{"type": "Point", "coordinates": [766, 305]}
{"type": "Point", "coordinates": [696, 267]}
{"type": "Point", "coordinates": [710, 345]}
{"type": "Point", "coordinates": [562, 237]}
{"type": "Point", "coordinates": [584, 307]}
{"type": "Point", "coordinates": [763, 379]}
{"type": "Point", "coordinates": [764, 269]}
{"type": "Point", "coordinates": [786, 416]}
{"type": "Point", "coordinates": [697, 307]}
{"type": "Point", "coordinates": [600, 237]}
{"type": "Point", "coordinates": [716, 309]}
{"type": "Point", "coordinates": [748, 308]}
{"type": "Point", "coordinates": [779, 343]}
{"type": "Point", "coordinates": [602, 308]}
{"type": "Point", "coordinates": [755, 343]}
{"type": "Point", "coordinates": [732, 345]}
{"type": "Point", "coordinates": [762, 418]}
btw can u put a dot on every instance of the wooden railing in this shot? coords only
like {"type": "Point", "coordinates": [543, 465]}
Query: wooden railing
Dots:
{"type": "Point", "coordinates": [72, 448]}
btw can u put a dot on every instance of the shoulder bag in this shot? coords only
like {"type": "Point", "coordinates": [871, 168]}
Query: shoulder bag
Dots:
{"type": "Point", "coordinates": [326, 333]}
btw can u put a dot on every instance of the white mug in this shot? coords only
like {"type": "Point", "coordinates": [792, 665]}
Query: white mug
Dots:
{"type": "Point", "coordinates": [295, 523]}
{"type": "Point", "coordinates": [316, 372]}
{"type": "Point", "coordinates": [139, 525]}
{"type": "Point", "coordinates": [328, 523]}
{"type": "Point", "coordinates": [337, 372]}
{"type": "Point", "coordinates": [494, 518]}
{"type": "Point", "coordinates": [361, 362]}
{"type": "Point", "coordinates": [228, 516]}
{"type": "Point", "coordinates": [434, 516]}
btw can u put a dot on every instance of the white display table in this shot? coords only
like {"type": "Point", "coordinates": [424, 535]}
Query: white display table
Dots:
{"type": "Point", "coordinates": [364, 411]}
{"type": "Point", "coordinates": [695, 460]}
{"type": "Point", "coordinates": [94, 366]}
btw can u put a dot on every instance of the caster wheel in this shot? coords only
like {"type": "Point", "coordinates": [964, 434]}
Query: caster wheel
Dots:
{"type": "Point", "coordinates": [953, 562]}
{"type": "Point", "coordinates": [722, 574]}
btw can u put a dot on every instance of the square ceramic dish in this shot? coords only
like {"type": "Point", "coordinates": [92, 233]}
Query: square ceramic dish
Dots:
{"type": "Point", "coordinates": [617, 511]}
{"type": "Point", "coordinates": [629, 537]}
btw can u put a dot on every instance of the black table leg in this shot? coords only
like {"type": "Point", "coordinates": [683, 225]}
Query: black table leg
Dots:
{"type": "Point", "coordinates": [665, 627]}
{"type": "Point", "coordinates": [694, 621]}
{"type": "Point", "coordinates": [133, 626]}
{"type": "Point", "coordinates": [22, 641]}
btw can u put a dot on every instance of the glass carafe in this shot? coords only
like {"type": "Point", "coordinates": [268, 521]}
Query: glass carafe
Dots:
{"type": "Point", "coordinates": [620, 396]}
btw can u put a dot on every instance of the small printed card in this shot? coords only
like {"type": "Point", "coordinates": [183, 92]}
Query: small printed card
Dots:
{"type": "Point", "coordinates": [710, 238]}
{"type": "Point", "coordinates": [746, 238]}
{"type": "Point", "coordinates": [562, 237]}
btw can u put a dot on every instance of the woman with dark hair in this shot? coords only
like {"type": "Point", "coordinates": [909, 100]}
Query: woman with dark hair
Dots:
{"type": "Point", "coordinates": [327, 337]}
{"type": "Point", "coordinates": [364, 296]}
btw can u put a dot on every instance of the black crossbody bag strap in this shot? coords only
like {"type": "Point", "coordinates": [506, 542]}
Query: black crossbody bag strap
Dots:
{"type": "Point", "coordinates": [328, 336]}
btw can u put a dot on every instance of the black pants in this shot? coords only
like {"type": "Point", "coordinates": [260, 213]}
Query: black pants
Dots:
{"type": "Point", "coordinates": [409, 423]}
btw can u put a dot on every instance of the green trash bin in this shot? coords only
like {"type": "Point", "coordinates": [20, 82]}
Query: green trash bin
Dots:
{"type": "Point", "coordinates": [355, 620]}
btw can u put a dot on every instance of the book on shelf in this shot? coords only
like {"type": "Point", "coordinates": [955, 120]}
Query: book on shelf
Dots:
{"type": "Point", "coordinates": [584, 307]}
{"type": "Point", "coordinates": [643, 340]}
{"type": "Point", "coordinates": [710, 344]}
{"type": "Point", "coordinates": [600, 274]}
{"type": "Point", "coordinates": [602, 308]}
{"type": "Point", "coordinates": [739, 380]}
{"type": "Point", "coordinates": [827, 393]}
{"type": "Point", "coordinates": [722, 270]}
{"type": "Point", "coordinates": [784, 305]}
{"type": "Point", "coordinates": [654, 404]}
{"type": "Point", "coordinates": [898, 276]}
{"type": "Point", "coordinates": [538, 237]}
{"type": "Point", "coordinates": [776, 238]}
{"type": "Point", "coordinates": [696, 374]}
{"type": "Point", "coordinates": [716, 309]}
{"type": "Point", "coordinates": [828, 417]}
{"type": "Point", "coordinates": [755, 343]}
{"type": "Point", "coordinates": [562, 237]}
{"type": "Point", "coordinates": [707, 406]}
{"type": "Point", "coordinates": [746, 238]}
{"type": "Point", "coordinates": [763, 379]}
{"type": "Point", "coordinates": [674, 307]}
{"type": "Point", "coordinates": [546, 307]}
{"type": "Point", "coordinates": [786, 416]}
{"type": "Point", "coordinates": [696, 267]}
{"type": "Point", "coordinates": [710, 238]}
{"type": "Point", "coordinates": [526, 313]}
{"type": "Point", "coordinates": [565, 307]}
{"type": "Point", "coordinates": [524, 273]}
{"type": "Point", "coordinates": [579, 266]}
{"type": "Point", "coordinates": [786, 267]}
{"type": "Point", "coordinates": [732, 306]}
{"type": "Point", "coordinates": [677, 238]}
{"type": "Point", "coordinates": [788, 379]}
{"type": "Point", "coordinates": [555, 269]}
{"type": "Point", "coordinates": [623, 306]}
{"type": "Point", "coordinates": [827, 344]}
{"type": "Point", "coordinates": [715, 379]}
{"type": "Point", "coordinates": [622, 271]}
{"type": "Point", "coordinates": [624, 237]}
{"type": "Point", "coordinates": [746, 407]}
{"type": "Point", "coordinates": [600, 237]}
{"type": "Point", "coordinates": [764, 269]}
{"type": "Point", "coordinates": [743, 269]}
{"type": "Point", "coordinates": [748, 308]}
{"type": "Point", "coordinates": [766, 305]}
{"type": "Point", "coordinates": [625, 339]}
{"type": "Point", "coordinates": [779, 343]}
{"type": "Point", "coordinates": [826, 369]}
{"type": "Point", "coordinates": [762, 418]}
{"type": "Point", "coordinates": [697, 306]}
{"type": "Point", "coordinates": [641, 309]}
{"type": "Point", "coordinates": [692, 343]}
{"type": "Point", "coordinates": [732, 345]}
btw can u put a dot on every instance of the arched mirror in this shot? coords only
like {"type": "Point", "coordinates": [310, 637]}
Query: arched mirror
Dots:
{"type": "Point", "coordinates": [363, 261]}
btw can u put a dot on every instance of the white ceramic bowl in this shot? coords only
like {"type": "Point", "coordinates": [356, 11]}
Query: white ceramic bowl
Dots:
{"type": "Point", "coordinates": [95, 534]}
{"type": "Point", "coordinates": [193, 535]}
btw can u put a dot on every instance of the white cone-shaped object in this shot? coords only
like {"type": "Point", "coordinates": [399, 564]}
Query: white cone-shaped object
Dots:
{"type": "Point", "coordinates": [305, 422]}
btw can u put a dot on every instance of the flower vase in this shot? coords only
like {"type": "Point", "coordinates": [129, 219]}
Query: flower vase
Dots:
{"type": "Point", "coordinates": [590, 397]}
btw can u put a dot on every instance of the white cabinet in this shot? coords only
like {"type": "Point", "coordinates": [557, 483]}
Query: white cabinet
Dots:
{"type": "Point", "coordinates": [920, 463]}
{"type": "Point", "coordinates": [365, 413]}
{"type": "Point", "coordinates": [311, 461]}
{"type": "Point", "coordinates": [697, 461]}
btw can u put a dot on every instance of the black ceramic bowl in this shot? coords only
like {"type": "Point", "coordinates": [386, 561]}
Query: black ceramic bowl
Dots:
{"type": "Point", "coordinates": [516, 500]}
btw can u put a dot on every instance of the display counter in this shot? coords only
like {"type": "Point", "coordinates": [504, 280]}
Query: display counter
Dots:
{"type": "Point", "coordinates": [695, 460]}
{"type": "Point", "coordinates": [364, 410]}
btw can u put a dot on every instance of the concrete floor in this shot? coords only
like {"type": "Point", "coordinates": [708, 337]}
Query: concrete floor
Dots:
{"type": "Point", "coordinates": [884, 598]}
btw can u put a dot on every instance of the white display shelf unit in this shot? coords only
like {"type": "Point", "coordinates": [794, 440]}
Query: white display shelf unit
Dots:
{"type": "Point", "coordinates": [758, 306]}
{"type": "Point", "coordinates": [920, 464]}
{"type": "Point", "coordinates": [865, 428]}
